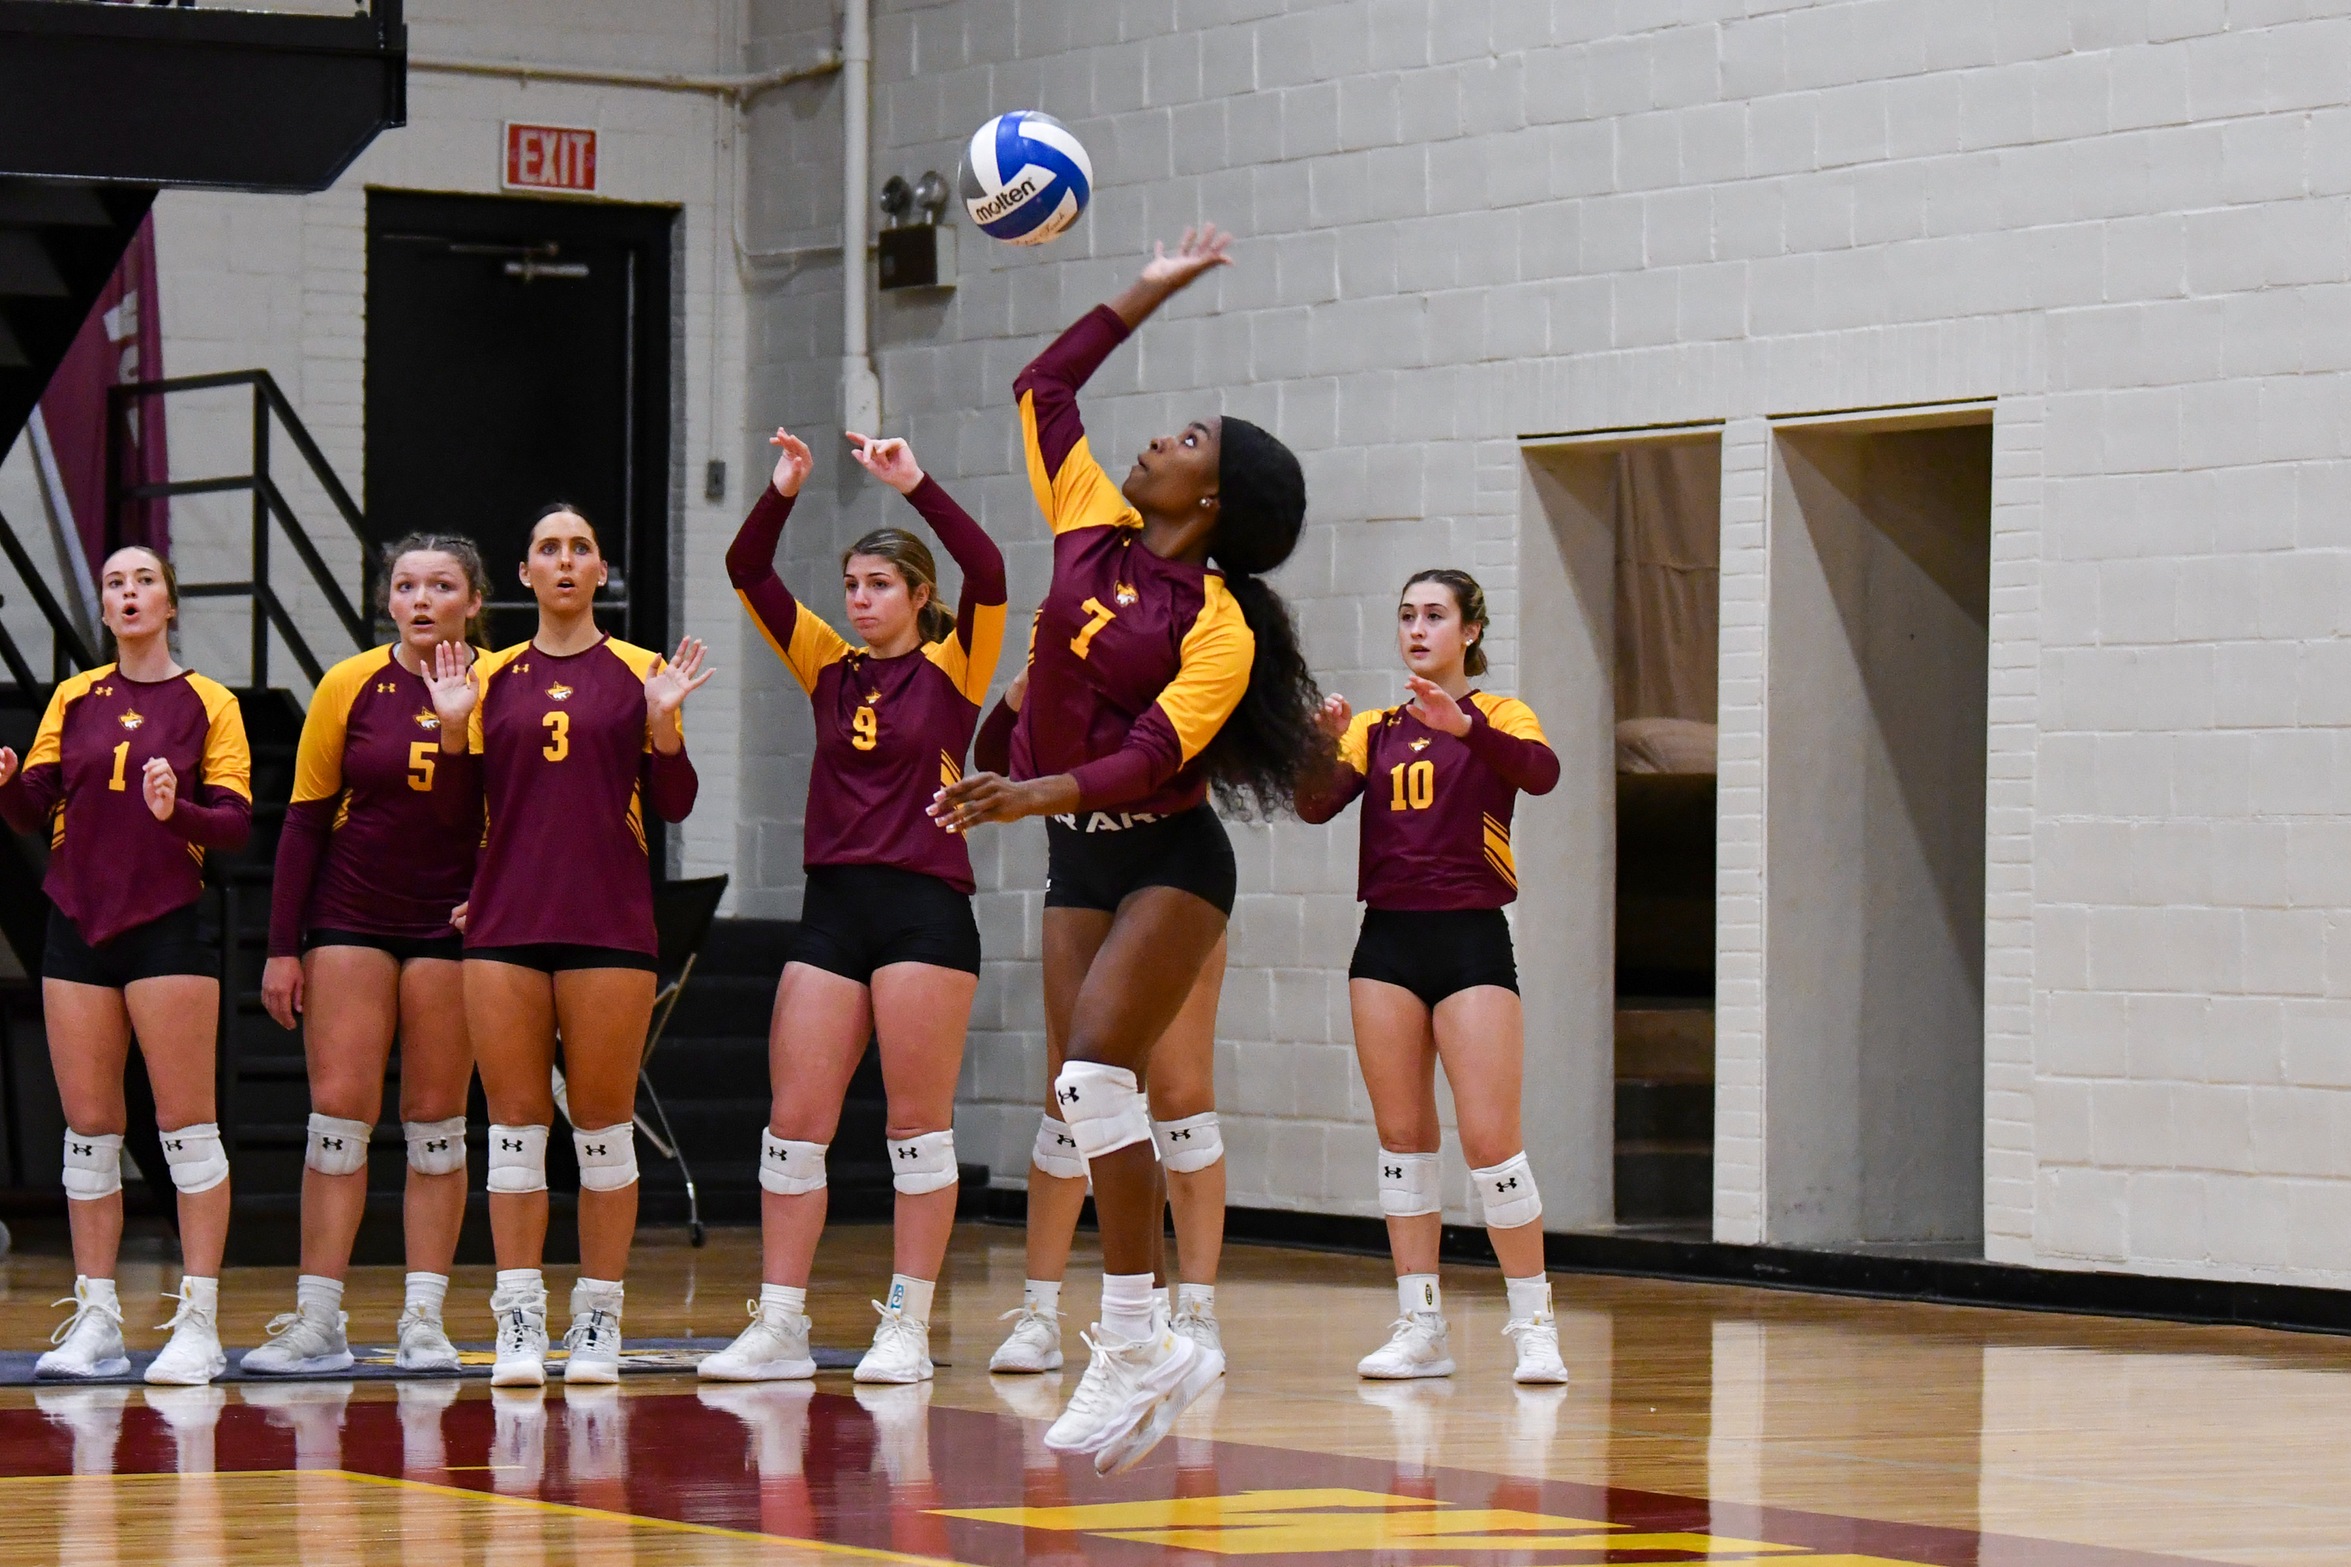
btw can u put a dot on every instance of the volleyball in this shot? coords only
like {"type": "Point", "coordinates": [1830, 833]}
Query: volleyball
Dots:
{"type": "Point", "coordinates": [1025, 177]}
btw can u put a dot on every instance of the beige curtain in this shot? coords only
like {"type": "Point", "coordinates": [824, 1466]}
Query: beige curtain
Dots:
{"type": "Point", "coordinates": [1668, 580]}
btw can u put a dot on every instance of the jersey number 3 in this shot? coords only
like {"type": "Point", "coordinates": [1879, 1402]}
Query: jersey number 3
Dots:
{"type": "Point", "coordinates": [1415, 786]}
{"type": "Point", "coordinates": [558, 744]}
{"type": "Point", "coordinates": [868, 725]}
{"type": "Point", "coordinates": [1102, 615]}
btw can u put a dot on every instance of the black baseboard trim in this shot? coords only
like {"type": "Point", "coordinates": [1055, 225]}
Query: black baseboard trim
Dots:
{"type": "Point", "coordinates": [2289, 1308]}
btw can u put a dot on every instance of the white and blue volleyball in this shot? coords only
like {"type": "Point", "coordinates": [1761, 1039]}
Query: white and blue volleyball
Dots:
{"type": "Point", "coordinates": [1025, 177]}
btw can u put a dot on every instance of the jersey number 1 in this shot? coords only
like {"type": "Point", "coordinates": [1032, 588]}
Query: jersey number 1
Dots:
{"type": "Point", "coordinates": [558, 744]}
{"type": "Point", "coordinates": [1415, 786]}
{"type": "Point", "coordinates": [122, 757]}
{"type": "Point", "coordinates": [1103, 616]}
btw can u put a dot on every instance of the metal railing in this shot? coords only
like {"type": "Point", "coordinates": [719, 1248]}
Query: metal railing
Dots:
{"type": "Point", "coordinates": [67, 651]}
{"type": "Point", "coordinates": [270, 507]}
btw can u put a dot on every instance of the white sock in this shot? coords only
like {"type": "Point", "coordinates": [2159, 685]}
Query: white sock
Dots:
{"type": "Point", "coordinates": [202, 1293]}
{"type": "Point", "coordinates": [522, 1279]}
{"type": "Point", "coordinates": [1418, 1292]}
{"type": "Point", "coordinates": [790, 1299]}
{"type": "Point", "coordinates": [97, 1291]}
{"type": "Point", "coordinates": [911, 1296]}
{"type": "Point", "coordinates": [1042, 1295]}
{"type": "Point", "coordinates": [1530, 1299]}
{"type": "Point", "coordinates": [1200, 1296]}
{"type": "Point", "coordinates": [1126, 1307]}
{"type": "Point", "coordinates": [427, 1292]}
{"type": "Point", "coordinates": [1160, 1308]}
{"type": "Point", "coordinates": [318, 1296]}
{"type": "Point", "coordinates": [603, 1294]}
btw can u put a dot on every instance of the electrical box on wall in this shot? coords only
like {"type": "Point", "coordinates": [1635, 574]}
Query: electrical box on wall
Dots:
{"type": "Point", "coordinates": [917, 255]}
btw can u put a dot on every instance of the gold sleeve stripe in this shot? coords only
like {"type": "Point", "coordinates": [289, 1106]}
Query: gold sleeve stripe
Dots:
{"type": "Point", "coordinates": [1355, 745]}
{"type": "Point", "coordinates": [485, 667]}
{"type": "Point", "coordinates": [228, 760]}
{"type": "Point", "coordinates": [970, 670]}
{"type": "Point", "coordinates": [950, 771]}
{"type": "Point", "coordinates": [49, 740]}
{"type": "Point", "coordinates": [1214, 671]}
{"type": "Point", "coordinates": [1508, 714]}
{"type": "Point", "coordinates": [318, 758]}
{"type": "Point", "coordinates": [814, 646]}
{"type": "Point", "coordinates": [1498, 852]}
{"type": "Point", "coordinates": [1081, 495]}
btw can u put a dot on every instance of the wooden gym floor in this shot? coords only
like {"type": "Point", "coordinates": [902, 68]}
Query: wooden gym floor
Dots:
{"type": "Point", "coordinates": [1704, 1424]}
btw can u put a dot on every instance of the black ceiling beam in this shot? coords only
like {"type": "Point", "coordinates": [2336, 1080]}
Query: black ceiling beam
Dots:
{"type": "Point", "coordinates": [166, 95]}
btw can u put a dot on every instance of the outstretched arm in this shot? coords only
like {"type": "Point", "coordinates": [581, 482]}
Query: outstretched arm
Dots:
{"type": "Point", "coordinates": [804, 642]}
{"type": "Point", "coordinates": [979, 613]}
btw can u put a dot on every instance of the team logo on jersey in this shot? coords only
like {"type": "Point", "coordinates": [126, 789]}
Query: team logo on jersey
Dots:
{"type": "Point", "coordinates": [426, 718]}
{"type": "Point", "coordinates": [131, 719]}
{"type": "Point", "coordinates": [1420, 745]}
{"type": "Point", "coordinates": [387, 687]}
{"type": "Point", "coordinates": [559, 692]}
{"type": "Point", "coordinates": [873, 696]}
{"type": "Point", "coordinates": [1124, 594]}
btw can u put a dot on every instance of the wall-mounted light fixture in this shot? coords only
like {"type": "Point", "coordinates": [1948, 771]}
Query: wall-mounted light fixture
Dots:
{"type": "Point", "coordinates": [917, 250]}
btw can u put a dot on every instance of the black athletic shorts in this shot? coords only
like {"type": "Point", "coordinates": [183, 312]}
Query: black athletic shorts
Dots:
{"type": "Point", "coordinates": [858, 918]}
{"type": "Point", "coordinates": [168, 944]}
{"type": "Point", "coordinates": [1097, 859]}
{"type": "Point", "coordinates": [403, 949]}
{"type": "Point", "coordinates": [557, 957]}
{"type": "Point", "coordinates": [1435, 952]}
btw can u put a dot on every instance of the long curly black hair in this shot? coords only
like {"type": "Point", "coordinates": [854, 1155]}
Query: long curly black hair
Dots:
{"type": "Point", "coordinates": [1270, 742]}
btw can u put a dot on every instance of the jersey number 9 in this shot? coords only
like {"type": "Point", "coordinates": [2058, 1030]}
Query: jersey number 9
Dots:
{"type": "Point", "coordinates": [558, 744]}
{"type": "Point", "coordinates": [1415, 786]}
{"type": "Point", "coordinates": [868, 725]}
{"type": "Point", "coordinates": [420, 764]}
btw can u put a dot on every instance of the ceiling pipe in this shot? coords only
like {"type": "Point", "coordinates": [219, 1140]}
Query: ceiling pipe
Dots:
{"type": "Point", "coordinates": [739, 89]}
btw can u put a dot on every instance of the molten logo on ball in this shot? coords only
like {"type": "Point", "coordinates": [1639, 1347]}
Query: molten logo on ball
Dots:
{"type": "Point", "coordinates": [1025, 178]}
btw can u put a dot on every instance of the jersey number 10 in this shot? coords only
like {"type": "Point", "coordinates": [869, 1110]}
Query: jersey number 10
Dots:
{"type": "Point", "coordinates": [1415, 786]}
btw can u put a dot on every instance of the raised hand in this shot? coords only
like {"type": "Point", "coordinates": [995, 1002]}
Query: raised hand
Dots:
{"type": "Point", "coordinates": [455, 692]}
{"type": "Point", "coordinates": [7, 765]}
{"type": "Point", "coordinates": [161, 786]}
{"type": "Point", "coordinates": [1333, 717]}
{"type": "Point", "coordinates": [281, 990]}
{"type": "Point", "coordinates": [1200, 250]}
{"type": "Point", "coordinates": [793, 462]}
{"type": "Point", "coordinates": [1435, 708]}
{"type": "Point", "coordinates": [890, 460]}
{"type": "Point", "coordinates": [666, 691]}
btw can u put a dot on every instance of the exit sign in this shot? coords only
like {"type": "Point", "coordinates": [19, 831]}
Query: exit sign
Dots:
{"type": "Point", "coordinates": [549, 157]}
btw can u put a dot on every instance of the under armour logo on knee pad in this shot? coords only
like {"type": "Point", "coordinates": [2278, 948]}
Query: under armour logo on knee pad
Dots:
{"type": "Point", "coordinates": [330, 1142]}
{"type": "Point", "coordinates": [595, 1150]}
{"type": "Point", "coordinates": [1182, 1136]}
{"type": "Point", "coordinates": [1068, 1096]}
{"type": "Point", "coordinates": [510, 1144]}
{"type": "Point", "coordinates": [1510, 1185]}
{"type": "Point", "coordinates": [84, 1150]}
{"type": "Point", "coordinates": [1393, 1172]}
{"type": "Point", "coordinates": [436, 1145]}
{"type": "Point", "coordinates": [908, 1152]}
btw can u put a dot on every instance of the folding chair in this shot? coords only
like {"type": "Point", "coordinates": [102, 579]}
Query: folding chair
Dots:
{"type": "Point", "coordinates": [682, 914]}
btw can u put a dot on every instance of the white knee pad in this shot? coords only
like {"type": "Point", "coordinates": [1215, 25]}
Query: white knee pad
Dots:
{"type": "Point", "coordinates": [1507, 1190]}
{"type": "Point", "coordinates": [1193, 1143]}
{"type": "Point", "coordinates": [790, 1169]}
{"type": "Point", "coordinates": [436, 1147]}
{"type": "Point", "coordinates": [1408, 1184]}
{"type": "Point", "coordinates": [93, 1164]}
{"type": "Point", "coordinates": [608, 1157]}
{"type": "Point", "coordinates": [923, 1164]}
{"type": "Point", "coordinates": [1056, 1152]}
{"type": "Point", "coordinates": [336, 1146]}
{"type": "Point", "coordinates": [518, 1159]}
{"type": "Point", "coordinates": [197, 1161]}
{"type": "Point", "coordinates": [1103, 1106]}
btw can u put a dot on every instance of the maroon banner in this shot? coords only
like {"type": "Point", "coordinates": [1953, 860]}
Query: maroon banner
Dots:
{"type": "Point", "coordinates": [121, 342]}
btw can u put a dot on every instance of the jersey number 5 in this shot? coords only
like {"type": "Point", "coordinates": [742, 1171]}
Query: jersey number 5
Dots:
{"type": "Point", "coordinates": [1103, 616]}
{"type": "Point", "coordinates": [1415, 786]}
{"type": "Point", "coordinates": [558, 744]}
{"type": "Point", "coordinates": [868, 725]}
{"type": "Point", "coordinates": [420, 764]}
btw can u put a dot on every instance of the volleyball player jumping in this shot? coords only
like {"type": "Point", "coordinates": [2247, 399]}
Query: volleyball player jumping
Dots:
{"type": "Point", "coordinates": [1433, 976]}
{"type": "Point", "coordinates": [1180, 1081]}
{"type": "Point", "coordinates": [579, 738]}
{"type": "Point", "coordinates": [378, 848]}
{"type": "Point", "coordinates": [888, 946]}
{"type": "Point", "coordinates": [138, 768]}
{"type": "Point", "coordinates": [1151, 675]}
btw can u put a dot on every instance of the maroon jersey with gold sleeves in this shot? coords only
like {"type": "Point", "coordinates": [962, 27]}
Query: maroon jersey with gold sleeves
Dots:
{"type": "Point", "coordinates": [890, 732]}
{"type": "Point", "coordinates": [381, 835]}
{"type": "Point", "coordinates": [568, 773]}
{"type": "Point", "coordinates": [112, 865]}
{"type": "Point", "coordinates": [1135, 662]}
{"type": "Point", "coordinates": [1437, 807]}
